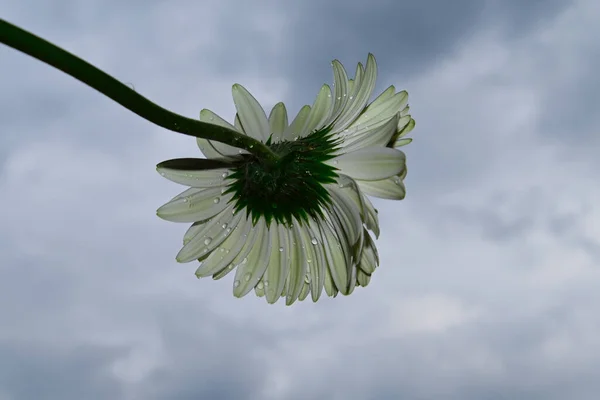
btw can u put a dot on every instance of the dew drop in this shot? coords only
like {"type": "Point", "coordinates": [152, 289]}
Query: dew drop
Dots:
{"type": "Point", "coordinates": [223, 190]}
{"type": "Point", "coordinates": [224, 174]}
{"type": "Point", "coordinates": [351, 97]}
{"type": "Point", "coordinates": [228, 230]}
{"type": "Point", "coordinates": [162, 174]}
{"type": "Point", "coordinates": [245, 260]}
{"type": "Point", "coordinates": [307, 278]}
{"type": "Point", "coordinates": [281, 249]}
{"type": "Point", "coordinates": [240, 151]}
{"type": "Point", "coordinates": [217, 200]}
{"type": "Point", "coordinates": [236, 284]}
{"type": "Point", "coordinates": [260, 286]}
{"type": "Point", "coordinates": [247, 276]}
{"type": "Point", "coordinates": [266, 283]}
{"type": "Point", "coordinates": [222, 250]}
{"type": "Point", "coordinates": [207, 241]}
{"type": "Point", "coordinates": [185, 199]}
{"type": "Point", "coordinates": [336, 162]}
{"type": "Point", "coordinates": [230, 267]}
{"type": "Point", "coordinates": [251, 146]}
{"type": "Point", "coordinates": [212, 118]}
{"type": "Point", "coordinates": [314, 241]}
{"type": "Point", "coordinates": [224, 226]}
{"type": "Point", "coordinates": [339, 98]}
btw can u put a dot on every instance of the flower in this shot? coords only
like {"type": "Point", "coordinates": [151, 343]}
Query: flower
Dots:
{"type": "Point", "coordinates": [299, 225]}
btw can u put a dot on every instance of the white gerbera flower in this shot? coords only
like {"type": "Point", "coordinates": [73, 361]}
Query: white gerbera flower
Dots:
{"type": "Point", "coordinates": [300, 225]}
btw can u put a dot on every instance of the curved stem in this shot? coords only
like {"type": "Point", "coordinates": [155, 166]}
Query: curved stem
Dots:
{"type": "Point", "coordinates": [81, 70]}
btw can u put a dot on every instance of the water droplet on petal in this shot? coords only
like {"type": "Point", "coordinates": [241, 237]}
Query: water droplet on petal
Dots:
{"type": "Point", "coordinates": [162, 174]}
{"type": "Point", "coordinates": [207, 241]}
{"type": "Point", "coordinates": [281, 249]}
{"type": "Point", "coordinates": [336, 162]}
{"type": "Point", "coordinates": [217, 200]}
{"type": "Point", "coordinates": [224, 175]}
{"type": "Point", "coordinates": [224, 226]}
{"type": "Point", "coordinates": [314, 241]}
{"type": "Point", "coordinates": [247, 276]}
{"type": "Point", "coordinates": [236, 284]}
{"type": "Point", "coordinates": [260, 286]}
{"type": "Point", "coordinates": [307, 278]}
{"type": "Point", "coordinates": [266, 283]}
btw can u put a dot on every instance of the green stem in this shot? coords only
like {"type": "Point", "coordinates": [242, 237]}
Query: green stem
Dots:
{"type": "Point", "coordinates": [45, 51]}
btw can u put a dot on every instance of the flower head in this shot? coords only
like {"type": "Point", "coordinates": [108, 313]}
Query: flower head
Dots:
{"type": "Point", "coordinates": [301, 224]}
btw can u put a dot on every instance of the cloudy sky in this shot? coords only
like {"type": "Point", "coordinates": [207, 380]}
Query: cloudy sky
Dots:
{"type": "Point", "coordinates": [489, 279]}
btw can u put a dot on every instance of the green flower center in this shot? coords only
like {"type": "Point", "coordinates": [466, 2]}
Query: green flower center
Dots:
{"type": "Point", "coordinates": [290, 188]}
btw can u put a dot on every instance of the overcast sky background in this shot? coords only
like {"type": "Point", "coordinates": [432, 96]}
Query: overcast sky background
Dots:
{"type": "Point", "coordinates": [489, 285]}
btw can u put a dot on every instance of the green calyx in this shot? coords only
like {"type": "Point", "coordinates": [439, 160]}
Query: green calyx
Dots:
{"type": "Point", "coordinates": [291, 187]}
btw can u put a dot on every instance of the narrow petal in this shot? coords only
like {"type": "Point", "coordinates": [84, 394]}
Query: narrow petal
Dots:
{"type": "Point", "coordinates": [330, 287]}
{"type": "Point", "coordinates": [195, 207]}
{"type": "Point", "coordinates": [214, 233]}
{"type": "Point", "coordinates": [251, 114]}
{"type": "Point", "coordinates": [377, 134]}
{"type": "Point", "coordinates": [227, 251]}
{"type": "Point", "coordinates": [298, 266]}
{"type": "Point", "coordinates": [319, 112]}
{"type": "Point", "coordinates": [211, 117]}
{"type": "Point", "coordinates": [370, 164]}
{"type": "Point", "coordinates": [372, 218]}
{"type": "Point", "coordinates": [295, 129]}
{"type": "Point", "coordinates": [358, 101]}
{"type": "Point", "coordinates": [348, 214]}
{"type": "Point", "coordinates": [305, 290]}
{"type": "Point", "coordinates": [405, 128]}
{"type": "Point", "coordinates": [340, 95]}
{"type": "Point", "coordinates": [241, 258]}
{"type": "Point", "coordinates": [362, 278]}
{"type": "Point", "coordinates": [402, 142]}
{"type": "Point", "coordinates": [384, 96]}
{"type": "Point", "coordinates": [278, 121]}
{"type": "Point", "coordinates": [279, 263]}
{"type": "Point", "coordinates": [369, 260]}
{"type": "Point", "coordinates": [259, 289]}
{"type": "Point", "coordinates": [198, 179]}
{"type": "Point", "coordinates": [383, 110]}
{"type": "Point", "coordinates": [314, 259]}
{"type": "Point", "coordinates": [335, 257]}
{"type": "Point", "coordinates": [249, 273]}
{"type": "Point", "coordinates": [390, 188]}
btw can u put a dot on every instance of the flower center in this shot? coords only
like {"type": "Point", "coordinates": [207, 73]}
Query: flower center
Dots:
{"type": "Point", "coordinates": [290, 188]}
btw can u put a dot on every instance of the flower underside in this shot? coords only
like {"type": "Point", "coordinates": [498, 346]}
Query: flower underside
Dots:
{"type": "Point", "coordinates": [292, 188]}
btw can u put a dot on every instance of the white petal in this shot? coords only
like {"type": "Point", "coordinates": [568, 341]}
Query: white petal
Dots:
{"type": "Point", "coordinates": [330, 287]}
{"type": "Point", "coordinates": [369, 260]}
{"type": "Point", "coordinates": [214, 233]}
{"type": "Point", "coordinates": [390, 188]}
{"type": "Point", "coordinates": [242, 256]}
{"type": "Point", "coordinates": [314, 258]}
{"type": "Point", "coordinates": [259, 289]}
{"type": "Point", "coordinates": [295, 129]}
{"type": "Point", "coordinates": [340, 95]}
{"type": "Point", "coordinates": [384, 96]}
{"type": "Point", "coordinates": [383, 110]}
{"type": "Point", "coordinates": [279, 263]}
{"type": "Point", "coordinates": [362, 278]}
{"type": "Point", "coordinates": [251, 114]}
{"type": "Point", "coordinates": [198, 179]}
{"type": "Point", "coordinates": [278, 121]}
{"type": "Point", "coordinates": [347, 212]}
{"type": "Point", "coordinates": [371, 163]}
{"type": "Point", "coordinates": [406, 128]}
{"type": "Point", "coordinates": [333, 244]}
{"type": "Point", "coordinates": [319, 112]}
{"type": "Point", "coordinates": [372, 218]}
{"type": "Point", "coordinates": [208, 149]}
{"type": "Point", "coordinates": [357, 104]}
{"type": "Point", "coordinates": [249, 273]}
{"type": "Point", "coordinates": [402, 142]}
{"type": "Point", "coordinates": [304, 291]}
{"type": "Point", "coordinates": [377, 134]}
{"type": "Point", "coordinates": [221, 148]}
{"type": "Point", "coordinates": [227, 251]}
{"type": "Point", "coordinates": [195, 207]}
{"type": "Point", "coordinates": [298, 266]}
